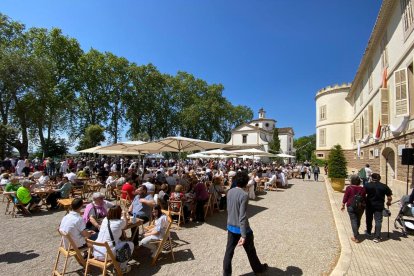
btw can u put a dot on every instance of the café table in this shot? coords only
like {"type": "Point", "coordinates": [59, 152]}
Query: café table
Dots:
{"type": "Point", "coordinates": [65, 203]}
{"type": "Point", "coordinates": [43, 194]}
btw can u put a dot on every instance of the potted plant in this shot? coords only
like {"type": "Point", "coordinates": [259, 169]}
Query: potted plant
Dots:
{"type": "Point", "coordinates": [337, 168]}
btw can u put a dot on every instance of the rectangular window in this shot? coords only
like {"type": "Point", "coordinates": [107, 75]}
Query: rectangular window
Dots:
{"type": "Point", "coordinates": [384, 106]}
{"type": "Point", "coordinates": [371, 153]}
{"type": "Point", "coordinates": [361, 96]}
{"type": "Point", "coordinates": [320, 155]}
{"type": "Point", "coordinates": [322, 113]}
{"type": "Point", "coordinates": [244, 139]}
{"type": "Point", "coordinates": [401, 92]}
{"type": "Point", "coordinates": [407, 16]}
{"type": "Point", "coordinates": [322, 137]}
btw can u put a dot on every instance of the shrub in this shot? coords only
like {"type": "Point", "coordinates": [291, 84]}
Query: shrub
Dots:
{"type": "Point", "coordinates": [337, 163]}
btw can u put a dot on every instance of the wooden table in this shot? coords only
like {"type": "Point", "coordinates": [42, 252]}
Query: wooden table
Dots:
{"type": "Point", "coordinates": [43, 194]}
{"type": "Point", "coordinates": [94, 187]}
{"type": "Point", "coordinates": [131, 225]}
{"type": "Point", "coordinates": [65, 202]}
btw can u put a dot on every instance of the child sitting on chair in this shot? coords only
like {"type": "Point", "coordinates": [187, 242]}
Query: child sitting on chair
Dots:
{"type": "Point", "coordinates": [157, 232]}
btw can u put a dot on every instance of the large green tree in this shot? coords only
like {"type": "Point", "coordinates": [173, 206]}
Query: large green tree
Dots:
{"type": "Point", "coordinates": [305, 146]}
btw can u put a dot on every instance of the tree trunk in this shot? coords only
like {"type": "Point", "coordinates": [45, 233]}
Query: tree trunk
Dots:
{"type": "Point", "coordinates": [42, 141]}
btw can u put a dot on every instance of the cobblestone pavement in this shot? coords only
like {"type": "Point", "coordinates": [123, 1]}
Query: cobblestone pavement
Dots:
{"type": "Point", "coordinates": [294, 233]}
{"type": "Point", "coordinates": [389, 257]}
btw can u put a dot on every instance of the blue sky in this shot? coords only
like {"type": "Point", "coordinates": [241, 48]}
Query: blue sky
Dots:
{"type": "Point", "coordinates": [274, 54]}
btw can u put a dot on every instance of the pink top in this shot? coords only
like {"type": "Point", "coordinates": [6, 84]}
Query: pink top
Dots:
{"type": "Point", "coordinates": [350, 192]}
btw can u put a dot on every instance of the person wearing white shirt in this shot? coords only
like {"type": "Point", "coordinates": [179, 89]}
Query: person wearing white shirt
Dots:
{"type": "Point", "coordinates": [43, 179]}
{"type": "Point", "coordinates": [113, 168]}
{"type": "Point", "coordinates": [64, 166]}
{"type": "Point", "coordinates": [114, 224]}
{"type": "Point", "coordinates": [37, 174]}
{"type": "Point", "coordinates": [20, 166]}
{"type": "Point", "coordinates": [71, 176]}
{"type": "Point", "coordinates": [157, 232]}
{"type": "Point", "coordinates": [271, 182]}
{"type": "Point", "coordinates": [74, 225]}
{"type": "Point", "coordinates": [5, 179]}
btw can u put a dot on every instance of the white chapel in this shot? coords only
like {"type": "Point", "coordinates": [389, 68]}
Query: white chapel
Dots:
{"type": "Point", "coordinates": [259, 132]}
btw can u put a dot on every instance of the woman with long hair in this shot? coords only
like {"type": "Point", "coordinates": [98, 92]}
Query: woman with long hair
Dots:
{"type": "Point", "coordinates": [111, 232]}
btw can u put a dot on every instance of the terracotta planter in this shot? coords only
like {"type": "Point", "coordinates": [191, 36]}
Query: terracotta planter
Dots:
{"type": "Point", "coordinates": [338, 184]}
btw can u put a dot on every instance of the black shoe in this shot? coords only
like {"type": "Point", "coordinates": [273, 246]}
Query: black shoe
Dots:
{"type": "Point", "coordinates": [264, 268]}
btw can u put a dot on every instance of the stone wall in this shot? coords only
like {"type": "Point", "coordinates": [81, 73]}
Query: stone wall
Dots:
{"type": "Point", "coordinates": [387, 148]}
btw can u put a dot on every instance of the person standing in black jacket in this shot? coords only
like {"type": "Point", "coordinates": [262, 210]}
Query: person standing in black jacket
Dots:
{"type": "Point", "coordinates": [376, 193]}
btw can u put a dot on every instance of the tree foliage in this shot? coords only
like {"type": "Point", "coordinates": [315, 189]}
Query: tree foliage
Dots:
{"type": "Point", "coordinates": [50, 88]}
{"type": "Point", "coordinates": [274, 145]}
{"type": "Point", "coordinates": [93, 136]}
{"type": "Point", "coordinates": [305, 146]}
{"type": "Point", "coordinates": [337, 163]}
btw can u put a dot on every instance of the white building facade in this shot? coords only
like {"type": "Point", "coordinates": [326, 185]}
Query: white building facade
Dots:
{"type": "Point", "coordinates": [259, 132]}
{"type": "Point", "coordinates": [373, 118]}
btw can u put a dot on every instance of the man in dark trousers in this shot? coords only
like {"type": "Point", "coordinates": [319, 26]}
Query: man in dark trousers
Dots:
{"type": "Point", "coordinates": [239, 232]}
{"type": "Point", "coordinates": [376, 192]}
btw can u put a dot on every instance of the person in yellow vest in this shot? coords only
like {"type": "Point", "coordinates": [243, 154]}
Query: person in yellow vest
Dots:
{"type": "Point", "coordinates": [24, 195]}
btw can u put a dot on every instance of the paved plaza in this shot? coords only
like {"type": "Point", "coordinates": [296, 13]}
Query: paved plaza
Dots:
{"type": "Point", "coordinates": [294, 233]}
{"type": "Point", "coordinates": [389, 257]}
{"type": "Point", "coordinates": [298, 231]}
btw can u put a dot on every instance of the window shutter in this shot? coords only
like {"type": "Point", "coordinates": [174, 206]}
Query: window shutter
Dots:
{"type": "Point", "coordinates": [384, 106]}
{"type": "Point", "coordinates": [371, 119]}
{"type": "Point", "coordinates": [357, 129]}
{"type": "Point", "coordinates": [322, 137]}
{"type": "Point", "coordinates": [366, 123]}
{"type": "Point", "coordinates": [401, 92]}
{"type": "Point", "coordinates": [352, 133]}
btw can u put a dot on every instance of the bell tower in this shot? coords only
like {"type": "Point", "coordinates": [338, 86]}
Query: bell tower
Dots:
{"type": "Point", "coordinates": [262, 113]}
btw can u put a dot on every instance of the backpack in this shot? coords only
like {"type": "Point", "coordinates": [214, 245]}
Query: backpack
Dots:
{"type": "Point", "coordinates": [362, 173]}
{"type": "Point", "coordinates": [358, 202]}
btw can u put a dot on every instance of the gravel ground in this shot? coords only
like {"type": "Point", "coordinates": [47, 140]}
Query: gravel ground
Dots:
{"type": "Point", "coordinates": [294, 233]}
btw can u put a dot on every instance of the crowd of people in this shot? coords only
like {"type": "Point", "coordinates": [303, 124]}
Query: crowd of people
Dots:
{"type": "Point", "coordinates": [149, 186]}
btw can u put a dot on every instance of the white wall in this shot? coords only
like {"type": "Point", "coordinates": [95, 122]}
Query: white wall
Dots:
{"type": "Point", "coordinates": [338, 118]}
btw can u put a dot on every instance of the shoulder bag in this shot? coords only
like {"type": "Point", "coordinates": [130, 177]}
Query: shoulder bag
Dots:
{"type": "Point", "coordinates": [122, 254]}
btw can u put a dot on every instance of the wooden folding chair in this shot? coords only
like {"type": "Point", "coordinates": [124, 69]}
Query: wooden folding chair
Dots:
{"type": "Point", "coordinates": [207, 206]}
{"type": "Point", "coordinates": [2, 192]}
{"type": "Point", "coordinates": [80, 191]}
{"type": "Point", "coordinates": [166, 242]}
{"type": "Point", "coordinates": [215, 203]}
{"type": "Point", "coordinates": [17, 205]}
{"type": "Point", "coordinates": [109, 260]}
{"type": "Point", "coordinates": [69, 249]}
{"type": "Point", "coordinates": [125, 202]}
{"type": "Point", "coordinates": [172, 209]}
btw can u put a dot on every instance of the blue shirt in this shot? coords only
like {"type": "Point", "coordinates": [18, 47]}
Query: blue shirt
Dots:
{"type": "Point", "coordinates": [140, 209]}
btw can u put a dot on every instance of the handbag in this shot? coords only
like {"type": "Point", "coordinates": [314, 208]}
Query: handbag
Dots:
{"type": "Point", "coordinates": [122, 254]}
